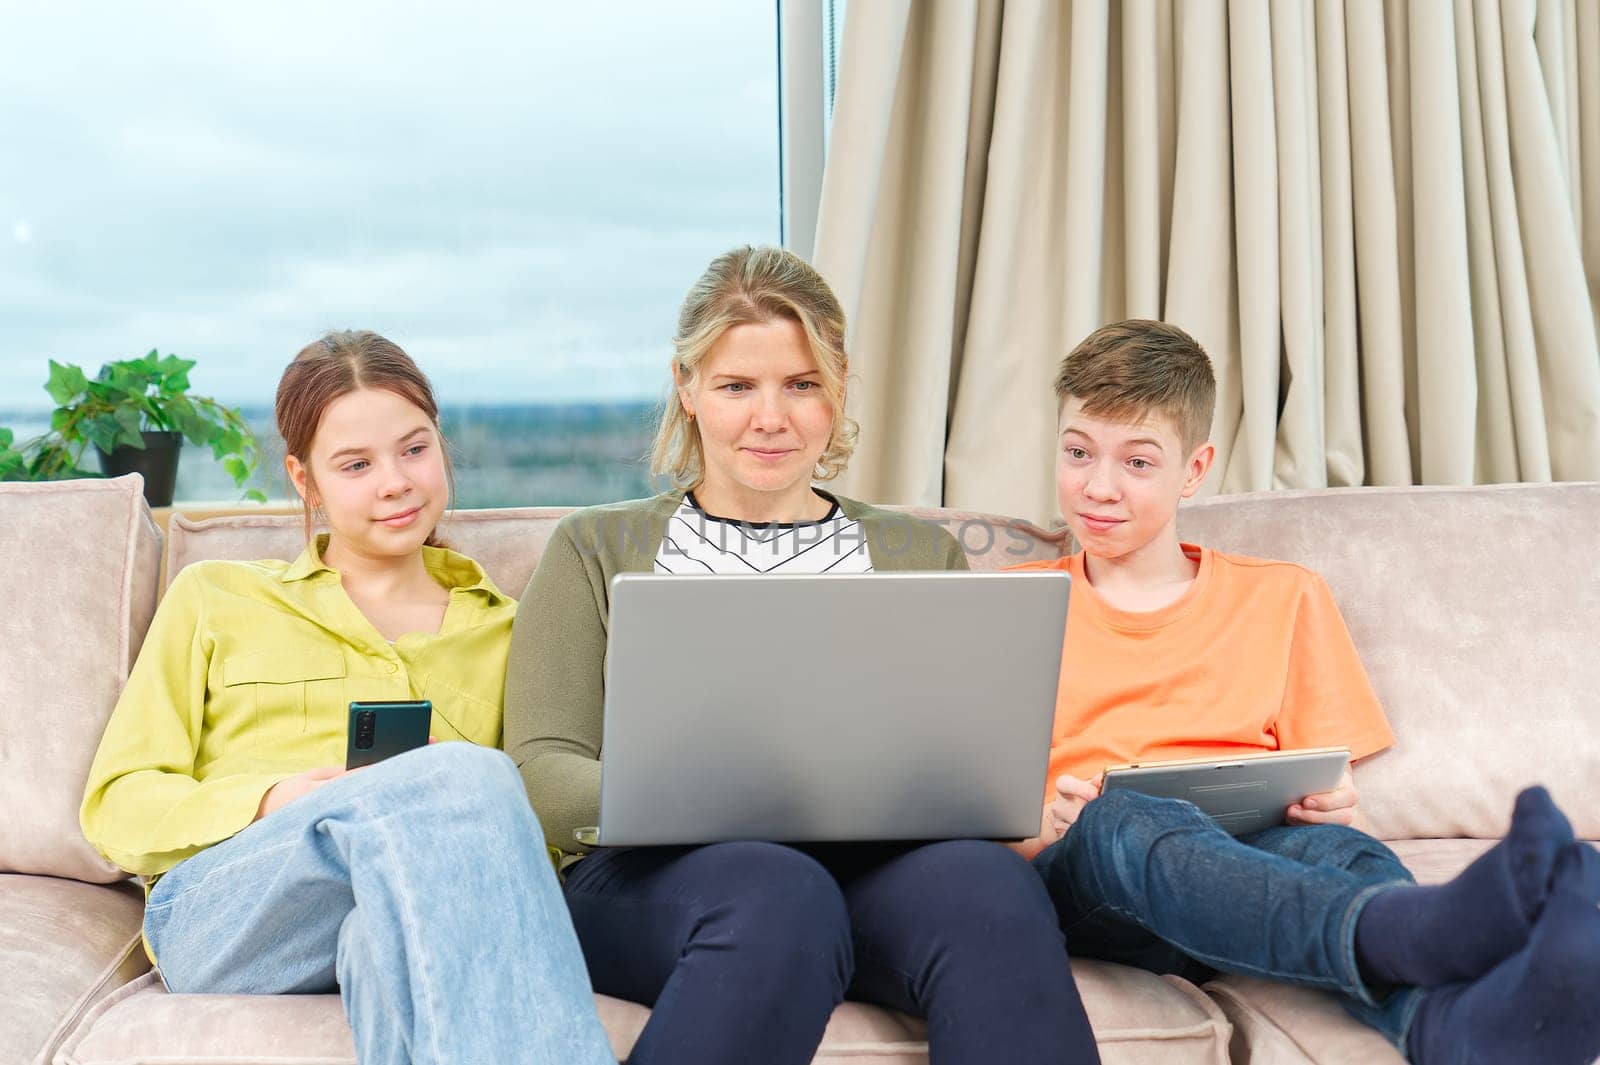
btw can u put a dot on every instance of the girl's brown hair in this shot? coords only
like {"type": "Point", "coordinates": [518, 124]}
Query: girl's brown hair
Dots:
{"type": "Point", "coordinates": [335, 365]}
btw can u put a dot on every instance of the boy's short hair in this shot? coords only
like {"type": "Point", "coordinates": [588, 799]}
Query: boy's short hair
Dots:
{"type": "Point", "coordinates": [1127, 371]}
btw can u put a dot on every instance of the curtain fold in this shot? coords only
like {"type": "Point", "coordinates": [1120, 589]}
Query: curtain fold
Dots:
{"type": "Point", "coordinates": [1381, 218]}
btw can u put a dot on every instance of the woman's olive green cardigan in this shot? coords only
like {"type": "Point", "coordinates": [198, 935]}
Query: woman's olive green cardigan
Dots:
{"type": "Point", "coordinates": [555, 681]}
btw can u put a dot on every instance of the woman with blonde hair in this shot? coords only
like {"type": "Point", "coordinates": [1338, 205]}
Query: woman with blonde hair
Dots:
{"type": "Point", "coordinates": [745, 948]}
{"type": "Point", "coordinates": [419, 886]}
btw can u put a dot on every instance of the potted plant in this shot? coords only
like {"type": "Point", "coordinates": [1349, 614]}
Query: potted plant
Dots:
{"type": "Point", "coordinates": [135, 413]}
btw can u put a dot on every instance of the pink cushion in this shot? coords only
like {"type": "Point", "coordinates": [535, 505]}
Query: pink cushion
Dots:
{"type": "Point", "coordinates": [63, 946]}
{"type": "Point", "coordinates": [1139, 1019]}
{"type": "Point", "coordinates": [507, 543]}
{"type": "Point", "coordinates": [1474, 612]}
{"type": "Point", "coordinates": [994, 541]}
{"type": "Point", "coordinates": [79, 589]}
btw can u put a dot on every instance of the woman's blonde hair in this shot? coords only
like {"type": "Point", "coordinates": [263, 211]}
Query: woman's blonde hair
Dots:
{"type": "Point", "coordinates": [751, 285]}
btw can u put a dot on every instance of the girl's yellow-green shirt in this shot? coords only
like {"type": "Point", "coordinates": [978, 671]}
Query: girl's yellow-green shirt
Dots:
{"type": "Point", "coordinates": [245, 679]}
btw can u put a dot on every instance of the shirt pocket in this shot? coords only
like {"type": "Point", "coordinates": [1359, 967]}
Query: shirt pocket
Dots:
{"type": "Point", "coordinates": [285, 683]}
{"type": "Point", "coordinates": [465, 715]}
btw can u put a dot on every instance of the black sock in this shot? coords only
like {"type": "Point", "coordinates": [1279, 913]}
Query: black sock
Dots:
{"type": "Point", "coordinates": [1428, 936]}
{"type": "Point", "coordinates": [1542, 1004]}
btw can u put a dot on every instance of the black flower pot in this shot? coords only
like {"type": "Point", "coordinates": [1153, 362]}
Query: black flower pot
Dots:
{"type": "Point", "coordinates": [158, 463]}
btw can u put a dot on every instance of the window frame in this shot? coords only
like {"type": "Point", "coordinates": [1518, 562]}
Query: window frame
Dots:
{"type": "Point", "coordinates": [802, 121]}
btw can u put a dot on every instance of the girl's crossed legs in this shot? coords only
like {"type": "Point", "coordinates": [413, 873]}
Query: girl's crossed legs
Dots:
{"type": "Point", "coordinates": [420, 887]}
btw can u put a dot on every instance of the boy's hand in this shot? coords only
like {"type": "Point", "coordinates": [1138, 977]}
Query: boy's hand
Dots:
{"type": "Point", "coordinates": [1072, 795]}
{"type": "Point", "coordinates": [1341, 806]}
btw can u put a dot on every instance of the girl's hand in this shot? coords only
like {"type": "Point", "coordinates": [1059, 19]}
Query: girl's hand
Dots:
{"type": "Point", "coordinates": [287, 791]}
{"type": "Point", "coordinates": [1341, 806]}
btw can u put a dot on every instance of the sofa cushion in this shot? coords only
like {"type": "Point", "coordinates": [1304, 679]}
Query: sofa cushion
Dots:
{"type": "Point", "coordinates": [1275, 1024]}
{"type": "Point", "coordinates": [993, 541]}
{"type": "Point", "coordinates": [64, 945]}
{"type": "Point", "coordinates": [1474, 612]}
{"type": "Point", "coordinates": [507, 542]}
{"type": "Point", "coordinates": [79, 591]}
{"type": "Point", "coordinates": [1433, 861]}
{"type": "Point", "coordinates": [1139, 1019]}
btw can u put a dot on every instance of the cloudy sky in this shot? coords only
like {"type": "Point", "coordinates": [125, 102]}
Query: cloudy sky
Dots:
{"type": "Point", "coordinates": [519, 194]}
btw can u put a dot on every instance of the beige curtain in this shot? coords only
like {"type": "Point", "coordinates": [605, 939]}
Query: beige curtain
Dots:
{"type": "Point", "coordinates": [1381, 219]}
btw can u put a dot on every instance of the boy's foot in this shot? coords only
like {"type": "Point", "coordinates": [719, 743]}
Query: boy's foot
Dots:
{"type": "Point", "coordinates": [1428, 936]}
{"type": "Point", "coordinates": [1542, 1004]}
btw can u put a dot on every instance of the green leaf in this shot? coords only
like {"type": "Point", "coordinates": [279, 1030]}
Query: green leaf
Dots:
{"type": "Point", "coordinates": [130, 419]}
{"type": "Point", "coordinates": [238, 469]}
{"type": "Point", "coordinates": [256, 495]}
{"type": "Point", "coordinates": [182, 416]}
{"type": "Point", "coordinates": [173, 374]}
{"type": "Point", "coordinates": [66, 382]}
{"type": "Point", "coordinates": [155, 417]}
{"type": "Point", "coordinates": [6, 437]}
{"type": "Point", "coordinates": [104, 432]}
{"type": "Point", "coordinates": [148, 365]}
{"type": "Point", "coordinates": [130, 385]}
{"type": "Point", "coordinates": [103, 394]}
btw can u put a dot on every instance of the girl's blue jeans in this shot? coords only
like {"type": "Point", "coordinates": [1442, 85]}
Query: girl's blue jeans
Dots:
{"type": "Point", "coordinates": [420, 888]}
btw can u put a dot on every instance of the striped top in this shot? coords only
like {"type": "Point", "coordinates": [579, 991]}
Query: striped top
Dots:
{"type": "Point", "coordinates": [697, 542]}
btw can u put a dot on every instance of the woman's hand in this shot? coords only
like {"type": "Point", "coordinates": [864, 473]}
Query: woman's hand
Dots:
{"type": "Point", "coordinates": [1072, 795]}
{"type": "Point", "coordinates": [1341, 806]}
{"type": "Point", "coordinates": [287, 791]}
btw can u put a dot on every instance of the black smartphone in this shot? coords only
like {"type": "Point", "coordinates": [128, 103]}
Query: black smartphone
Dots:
{"type": "Point", "coordinates": [379, 730]}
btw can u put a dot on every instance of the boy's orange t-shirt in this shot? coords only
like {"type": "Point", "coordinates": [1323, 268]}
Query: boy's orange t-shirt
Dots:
{"type": "Point", "coordinates": [1254, 656]}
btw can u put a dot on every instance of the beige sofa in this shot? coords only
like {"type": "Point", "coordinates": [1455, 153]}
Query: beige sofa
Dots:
{"type": "Point", "coordinates": [1473, 608]}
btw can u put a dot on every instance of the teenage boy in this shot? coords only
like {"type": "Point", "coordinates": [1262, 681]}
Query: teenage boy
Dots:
{"type": "Point", "coordinates": [1179, 651]}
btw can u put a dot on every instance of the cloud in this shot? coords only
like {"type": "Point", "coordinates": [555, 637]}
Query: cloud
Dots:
{"type": "Point", "coordinates": [519, 193]}
{"type": "Point", "coordinates": [521, 321]}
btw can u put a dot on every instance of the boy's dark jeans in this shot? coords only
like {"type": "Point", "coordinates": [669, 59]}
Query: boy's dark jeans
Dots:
{"type": "Point", "coordinates": [1157, 884]}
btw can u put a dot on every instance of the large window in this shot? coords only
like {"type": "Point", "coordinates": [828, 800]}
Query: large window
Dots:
{"type": "Point", "coordinates": [518, 194]}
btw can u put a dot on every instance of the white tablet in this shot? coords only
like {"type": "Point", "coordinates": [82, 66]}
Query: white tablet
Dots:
{"type": "Point", "coordinates": [1246, 793]}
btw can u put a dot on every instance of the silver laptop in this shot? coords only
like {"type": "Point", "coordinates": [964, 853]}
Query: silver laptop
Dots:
{"type": "Point", "coordinates": [885, 706]}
